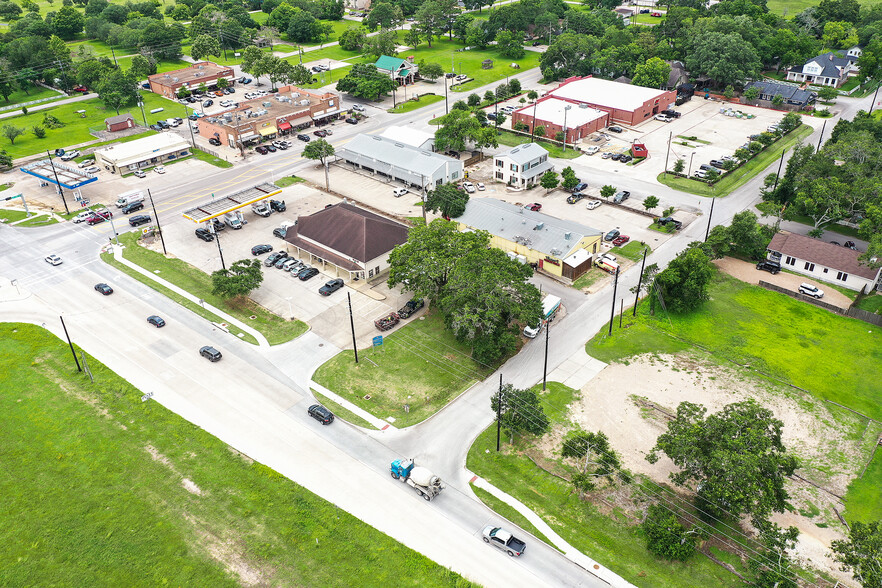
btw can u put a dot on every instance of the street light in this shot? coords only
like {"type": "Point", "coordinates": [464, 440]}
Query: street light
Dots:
{"type": "Point", "coordinates": [566, 108]}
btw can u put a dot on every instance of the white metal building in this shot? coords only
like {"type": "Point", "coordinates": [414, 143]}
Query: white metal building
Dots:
{"type": "Point", "coordinates": [125, 158]}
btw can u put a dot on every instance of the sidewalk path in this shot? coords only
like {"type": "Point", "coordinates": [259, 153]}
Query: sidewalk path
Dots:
{"type": "Point", "coordinates": [70, 100]}
{"type": "Point", "coordinates": [357, 410]}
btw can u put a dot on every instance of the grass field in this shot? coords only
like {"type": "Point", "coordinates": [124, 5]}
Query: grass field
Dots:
{"type": "Point", "coordinates": [410, 105]}
{"type": "Point", "coordinates": [33, 93]}
{"type": "Point", "coordinates": [10, 216]}
{"type": "Point", "coordinates": [342, 413]}
{"type": "Point", "coordinates": [864, 498]}
{"type": "Point", "coordinates": [740, 176]}
{"type": "Point", "coordinates": [832, 357]}
{"type": "Point", "coordinates": [421, 365]}
{"type": "Point", "coordinates": [872, 303]}
{"type": "Point", "coordinates": [554, 150]}
{"type": "Point", "coordinates": [94, 494]}
{"type": "Point", "coordinates": [208, 158]}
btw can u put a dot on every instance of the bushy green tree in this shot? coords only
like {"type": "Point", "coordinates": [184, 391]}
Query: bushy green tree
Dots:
{"type": "Point", "coordinates": [684, 283]}
{"type": "Point", "coordinates": [240, 279]}
{"type": "Point", "coordinates": [665, 536]}
{"type": "Point", "coordinates": [448, 200]}
{"type": "Point", "coordinates": [520, 411]}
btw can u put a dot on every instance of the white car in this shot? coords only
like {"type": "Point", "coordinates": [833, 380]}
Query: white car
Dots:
{"type": "Point", "coordinates": [607, 256]}
{"type": "Point", "coordinates": [480, 186]}
{"type": "Point", "coordinates": [591, 150]}
{"type": "Point", "coordinates": [159, 169]}
{"type": "Point", "coordinates": [86, 163]}
{"type": "Point", "coordinates": [53, 259]}
{"type": "Point", "coordinates": [810, 290]}
{"type": "Point", "coordinates": [399, 192]}
{"type": "Point", "coordinates": [592, 204]}
{"type": "Point", "coordinates": [469, 187]}
{"type": "Point", "coordinates": [663, 118]}
{"type": "Point", "coordinates": [92, 169]}
{"type": "Point", "coordinates": [358, 107]}
{"type": "Point", "coordinates": [83, 216]}
{"type": "Point", "coordinates": [70, 155]}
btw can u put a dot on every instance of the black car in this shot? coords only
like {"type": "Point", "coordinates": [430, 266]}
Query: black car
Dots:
{"type": "Point", "coordinates": [625, 158]}
{"type": "Point", "coordinates": [156, 128]}
{"type": "Point", "coordinates": [411, 307]}
{"type": "Point", "coordinates": [491, 116]}
{"type": "Point", "coordinates": [850, 245]}
{"type": "Point", "coordinates": [280, 232]}
{"type": "Point", "coordinates": [210, 353]}
{"type": "Point", "coordinates": [672, 113]}
{"type": "Point", "coordinates": [277, 205]}
{"type": "Point", "coordinates": [132, 207]}
{"type": "Point", "coordinates": [156, 321]}
{"type": "Point", "coordinates": [321, 414]}
{"type": "Point", "coordinates": [616, 156]}
{"type": "Point", "coordinates": [307, 273]}
{"type": "Point", "coordinates": [304, 138]}
{"type": "Point", "coordinates": [193, 117]}
{"type": "Point", "coordinates": [261, 149]}
{"type": "Point", "coordinates": [579, 187]}
{"type": "Point", "coordinates": [573, 198]}
{"type": "Point", "coordinates": [214, 141]}
{"type": "Point", "coordinates": [139, 219]}
{"type": "Point", "coordinates": [330, 287]}
{"type": "Point", "coordinates": [773, 267]}
{"type": "Point", "coordinates": [612, 235]}
{"type": "Point", "coordinates": [261, 249]}
{"type": "Point", "coordinates": [273, 258]}
{"type": "Point", "coordinates": [352, 121]}
{"type": "Point", "coordinates": [670, 220]}
{"type": "Point", "coordinates": [205, 235]}
{"type": "Point", "coordinates": [615, 129]}
{"type": "Point", "coordinates": [208, 103]}
{"type": "Point", "coordinates": [104, 289]}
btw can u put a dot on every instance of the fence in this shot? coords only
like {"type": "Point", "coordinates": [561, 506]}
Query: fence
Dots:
{"type": "Point", "coordinates": [852, 311]}
{"type": "Point", "coordinates": [865, 315]}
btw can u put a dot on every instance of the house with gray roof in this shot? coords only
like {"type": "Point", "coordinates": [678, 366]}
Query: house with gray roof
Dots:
{"type": "Point", "coordinates": [556, 246]}
{"type": "Point", "coordinates": [390, 160]}
{"type": "Point", "coordinates": [522, 165]}
{"type": "Point", "coordinates": [791, 94]}
{"type": "Point", "coordinates": [822, 261]}
{"type": "Point", "coordinates": [829, 69]}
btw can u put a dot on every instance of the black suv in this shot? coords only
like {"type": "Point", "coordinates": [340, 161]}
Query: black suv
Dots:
{"type": "Point", "coordinates": [210, 353]}
{"type": "Point", "coordinates": [411, 307]}
{"type": "Point", "coordinates": [277, 205]}
{"type": "Point", "coordinates": [321, 414]}
{"type": "Point", "coordinates": [132, 207]}
{"type": "Point", "coordinates": [773, 267]}
{"type": "Point", "coordinates": [139, 219]}
{"type": "Point", "coordinates": [304, 138]}
{"type": "Point", "coordinates": [261, 249]}
{"type": "Point", "coordinates": [205, 235]}
{"type": "Point", "coordinates": [667, 219]}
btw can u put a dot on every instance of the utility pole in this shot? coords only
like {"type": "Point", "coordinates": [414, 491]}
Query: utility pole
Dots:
{"type": "Point", "coordinates": [689, 171]}
{"type": "Point", "coordinates": [498, 412]}
{"type": "Point", "coordinates": [545, 366]}
{"type": "Point", "coordinates": [112, 52]}
{"type": "Point", "coordinates": [352, 326]}
{"type": "Point", "coordinates": [874, 98]}
{"type": "Point", "coordinates": [446, 109]}
{"type": "Point", "coordinates": [612, 311]}
{"type": "Point", "coordinates": [74, 353]}
{"type": "Point", "coordinates": [143, 116]}
{"type": "Point", "coordinates": [640, 282]}
{"type": "Point", "coordinates": [533, 126]}
{"type": "Point", "coordinates": [778, 175]}
{"type": "Point", "coordinates": [821, 138]}
{"type": "Point", "coordinates": [60, 191]}
{"type": "Point", "coordinates": [219, 250]}
{"type": "Point", "coordinates": [668, 154]}
{"type": "Point", "coordinates": [621, 311]}
{"type": "Point", "coordinates": [156, 218]}
{"type": "Point", "coordinates": [190, 126]}
{"type": "Point", "coordinates": [709, 217]}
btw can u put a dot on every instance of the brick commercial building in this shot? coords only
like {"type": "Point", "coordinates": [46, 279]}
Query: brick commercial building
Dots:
{"type": "Point", "coordinates": [624, 103]}
{"type": "Point", "coordinates": [553, 114]}
{"type": "Point", "coordinates": [205, 72]}
{"type": "Point", "coordinates": [119, 123]}
{"type": "Point", "coordinates": [287, 111]}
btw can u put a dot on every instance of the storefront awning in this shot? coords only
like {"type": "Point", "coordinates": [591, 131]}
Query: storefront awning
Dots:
{"type": "Point", "coordinates": [323, 115]}
{"type": "Point", "coordinates": [284, 126]}
{"type": "Point", "coordinates": [247, 136]}
{"type": "Point", "coordinates": [267, 131]}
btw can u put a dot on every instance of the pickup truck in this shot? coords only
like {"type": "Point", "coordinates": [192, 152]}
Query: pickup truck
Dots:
{"type": "Point", "coordinates": [502, 539]}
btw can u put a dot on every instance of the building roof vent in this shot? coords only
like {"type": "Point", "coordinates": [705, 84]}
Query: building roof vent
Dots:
{"type": "Point", "coordinates": [539, 227]}
{"type": "Point", "coordinates": [567, 235]}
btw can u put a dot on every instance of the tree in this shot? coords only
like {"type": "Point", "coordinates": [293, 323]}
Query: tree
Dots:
{"type": "Point", "coordinates": [607, 191]}
{"type": "Point", "coordinates": [751, 94]}
{"type": "Point", "coordinates": [777, 100]}
{"type": "Point", "coordinates": [591, 449]}
{"type": "Point", "coordinates": [828, 93]}
{"type": "Point", "coordinates": [239, 280]}
{"type": "Point", "coordinates": [685, 281]}
{"type": "Point", "coordinates": [651, 202]}
{"type": "Point", "coordinates": [514, 86]}
{"type": "Point", "coordinates": [142, 67]}
{"type": "Point", "coordinates": [447, 199]}
{"type": "Point", "coordinates": [364, 81]}
{"type": "Point", "coordinates": [729, 92]}
{"type": "Point", "coordinates": [473, 100]}
{"type": "Point", "coordinates": [12, 132]}
{"type": "Point", "coordinates": [412, 38]}
{"type": "Point", "coordinates": [431, 20]}
{"type": "Point", "coordinates": [725, 58]}
{"type": "Point", "coordinates": [117, 89]}
{"type": "Point", "coordinates": [653, 73]}
{"type": "Point", "coordinates": [431, 71]}
{"type": "Point", "coordinates": [383, 15]}
{"type": "Point", "coordinates": [489, 96]}
{"type": "Point", "coordinates": [519, 410]}
{"type": "Point", "coordinates": [5, 159]}
{"type": "Point", "coordinates": [204, 46]}
{"type": "Point", "coordinates": [679, 165]}
{"type": "Point", "coordinates": [570, 180]}
{"type": "Point", "coordinates": [39, 132]}
{"type": "Point", "coordinates": [383, 43]}
{"type": "Point", "coordinates": [665, 536]}
{"type": "Point", "coordinates": [532, 95]}
{"type": "Point", "coordinates": [861, 553]}
{"type": "Point", "coordinates": [352, 39]}
{"type": "Point", "coordinates": [539, 131]}
{"type": "Point", "coordinates": [302, 27]}
{"type": "Point", "coordinates": [455, 130]}
{"type": "Point", "coordinates": [68, 22]}
{"type": "Point", "coordinates": [549, 181]}
{"type": "Point", "coordinates": [320, 150]}
{"type": "Point", "coordinates": [774, 568]}
{"type": "Point", "coordinates": [735, 456]}
{"type": "Point", "coordinates": [509, 45]}
{"type": "Point", "coordinates": [460, 105]}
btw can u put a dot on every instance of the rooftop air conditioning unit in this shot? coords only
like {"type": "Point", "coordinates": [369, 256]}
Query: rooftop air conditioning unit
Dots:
{"type": "Point", "coordinates": [304, 103]}
{"type": "Point", "coordinates": [539, 227]}
{"type": "Point", "coordinates": [567, 235]}
{"type": "Point", "coordinates": [174, 79]}
{"type": "Point", "coordinates": [267, 104]}
{"type": "Point", "coordinates": [295, 94]}
{"type": "Point", "coordinates": [582, 105]}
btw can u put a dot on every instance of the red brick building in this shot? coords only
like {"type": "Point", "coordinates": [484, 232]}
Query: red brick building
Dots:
{"type": "Point", "coordinates": [553, 113]}
{"type": "Point", "coordinates": [119, 123]}
{"type": "Point", "coordinates": [205, 72]}
{"type": "Point", "coordinates": [625, 104]}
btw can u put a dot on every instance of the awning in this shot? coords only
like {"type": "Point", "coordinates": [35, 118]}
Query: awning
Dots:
{"type": "Point", "coordinates": [323, 115]}
{"type": "Point", "coordinates": [247, 136]}
{"type": "Point", "coordinates": [267, 131]}
{"type": "Point", "coordinates": [284, 126]}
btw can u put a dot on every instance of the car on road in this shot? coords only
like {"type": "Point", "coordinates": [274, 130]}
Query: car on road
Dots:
{"type": "Point", "coordinates": [304, 138]}
{"type": "Point", "coordinates": [320, 133]}
{"type": "Point", "coordinates": [156, 321]}
{"type": "Point", "coordinates": [205, 235]}
{"type": "Point", "coordinates": [573, 198]}
{"type": "Point", "coordinates": [210, 353]}
{"type": "Point", "coordinates": [99, 217]}
{"type": "Point", "coordinates": [810, 290]}
{"type": "Point", "coordinates": [534, 206]}
{"type": "Point", "coordinates": [352, 121]}
{"type": "Point", "coordinates": [261, 249]}
{"type": "Point", "coordinates": [663, 117]}
{"type": "Point", "coordinates": [82, 216]}
{"type": "Point", "coordinates": [773, 267]}
{"type": "Point", "coordinates": [307, 273]}
{"type": "Point", "coordinates": [358, 107]}
{"type": "Point", "coordinates": [139, 219]}
{"type": "Point", "coordinates": [104, 289]}
{"type": "Point", "coordinates": [139, 173]}
{"type": "Point", "coordinates": [274, 257]}
{"type": "Point", "coordinates": [620, 240]}
{"type": "Point", "coordinates": [469, 187]}
{"type": "Point", "coordinates": [410, 307]}
{"type": "Point", "coordinates": [214, 141]}
{"type": "Point", "coordinates": [330, 287]}
{"type": "Point", "coordinates": [502, 539]}
{"type": "Point", "coordinates": [591, 150]}
{"type": "Point", "coordinates": [480, 186]}
{"type": "Point", "coordinates": [321, 414]}
{"type": "Point", "coordinates": [615, 129]}
{"type": "Point", "coordinates": [53, 259]}
{"type": "Point", "coordinates": [399, 192]}
{"type": "Point", "coordinates": [621, 196]}
{"type": "Point", "coordinates": [132, 207]}
{"type": "Point", "coordinates": [160, 169]}
{"type": "Point", "coordinates": [592, 204]}
{"type": "Point", "coordinates": [612, 235]}
{"type": "Point", "coordinates": [261, 149]}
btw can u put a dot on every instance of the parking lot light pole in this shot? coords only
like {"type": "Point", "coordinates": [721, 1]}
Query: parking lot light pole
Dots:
{"type": "Point", "coordinates": [219, 250]}
{"type": "Point", "coordinates": [640, 282]}
{"type": "Point", "coordinates": [566, 108]}
{"type": "Point", "coordinates": [533, 126]}
{"type": "Point", "coordinates": [689, 171]}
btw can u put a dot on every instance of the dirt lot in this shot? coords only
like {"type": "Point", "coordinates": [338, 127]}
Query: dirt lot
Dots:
{"type": "Point", "coordinates": [828, 445]}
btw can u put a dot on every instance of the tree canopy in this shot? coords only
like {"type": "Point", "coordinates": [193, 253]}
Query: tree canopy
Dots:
{"type": "Point", "coordinates": [684, 283]}
{"type": "Point", "coordinates": [448, 199]}
{"type": "Point", "coordinates": [240, 279]}
{"type": "Point", "coordinates": [364, 81]}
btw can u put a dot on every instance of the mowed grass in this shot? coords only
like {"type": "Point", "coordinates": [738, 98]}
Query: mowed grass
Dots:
{"type": "Point", "coordinates": [410, 105]}
{"type": "Point", "coordinates": [554, 149]}
{"type": "Point", "coordinates": [871, 303]}
{"type": "Point", "coordinates": [33, 93]}
{"type": "Point", "coordinates": [93, 493]}
{"type": "Point", "coordinates": [421, 365]}
{"type": "Point", "coordinates": [864, 497]}
{"type": "Point", "coordinates": [832, 357]}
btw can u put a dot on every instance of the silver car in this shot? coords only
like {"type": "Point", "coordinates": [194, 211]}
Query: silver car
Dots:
{"type": "Point", "coordinates": [290, 264]}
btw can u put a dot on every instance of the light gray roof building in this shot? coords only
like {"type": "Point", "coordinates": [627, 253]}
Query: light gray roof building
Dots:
{"type": "Point", "coordinates": [417, 167]}
{"type": "Point", "coordinates": [524, 153]}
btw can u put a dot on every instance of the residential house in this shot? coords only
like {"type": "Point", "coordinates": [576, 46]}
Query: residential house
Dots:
{"type": "Point", "coordinates": [522, 165]}
{"type": "Point", "coordinates": [791, 95]}
{"type": "Point", "coordinates": [822, 261]}
{"type": "Point", "coordinates": [829, 69]}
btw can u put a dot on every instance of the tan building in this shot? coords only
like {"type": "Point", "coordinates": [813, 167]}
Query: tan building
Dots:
{"type": "Point", "coordinates": [287, 111]}
{"type": "Point", "coordinates": [557, 246]}
{"type": "Point", "coordinates": [124, 158]}
{"type": "Point", "coordinates": [204, 72]}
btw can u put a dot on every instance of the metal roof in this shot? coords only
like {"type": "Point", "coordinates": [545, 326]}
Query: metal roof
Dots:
{"type": "Point", "coordinates": [523, 153]}
{"type": "Point", "coordinates": [371, 150]}
{"type": "Point", "coordinates": [219, 206]}
{"type": "Point", "coordinates": [606, 93]}
{"type": "Point", "coordinates": [68, 176]}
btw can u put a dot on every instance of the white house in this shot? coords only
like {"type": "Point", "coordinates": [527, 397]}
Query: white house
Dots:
{"type": "Point", "coordinates": [830, 69]}
{"type": "Point", "coordinates": [522, 165]}
{"type": "Point", "coordinates": [822, 261]}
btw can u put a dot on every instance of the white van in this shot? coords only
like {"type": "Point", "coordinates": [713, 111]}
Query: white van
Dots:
{"type": "Point", "coordinates": [234, 220]}
{"type": "Point", "coordinates": [129, 198]}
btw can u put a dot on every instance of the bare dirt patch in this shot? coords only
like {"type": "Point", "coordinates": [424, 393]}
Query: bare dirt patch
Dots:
{"type": "Point", "coordinates": [226, 552]}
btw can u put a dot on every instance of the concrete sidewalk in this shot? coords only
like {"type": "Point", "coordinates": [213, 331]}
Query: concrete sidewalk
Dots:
{"type": "Point", "coordinates": [357, 410]}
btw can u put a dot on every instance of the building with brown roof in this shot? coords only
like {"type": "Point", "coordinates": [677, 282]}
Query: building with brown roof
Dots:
{"type": "Point", "coordinates": [287, 111]}
{"type": "Point", "coordinates": [204, 72]}
{"type": "Point", "coordinates": [119, 123]}
{"type": "Point", "coordinates": [822, 261]}
{"type": "Point", "coordinates": [352, 240]}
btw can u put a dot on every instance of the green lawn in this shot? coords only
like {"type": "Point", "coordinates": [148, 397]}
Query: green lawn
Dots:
{"type": "Point", "coordinates": [554, 150]}
{"type": "Point", "coordinates": [509, 512]}
{"type": "Point", "coordinates": [740, 176]}
{"type": "Point", "coordinates": [410, 105]}
{"type": "Point", "coordinates": [333, 52]}
{"type": "Point", "coordinates": [287, 181]}
{"type": "Point", "coordinates": [342, 413]}
{"type": "Point", "coordinates": [208, 158]}
{"type": "Point", "coordinates": [832, 357]}
{"type": "Point", "coordinates": [10, 216]}
{"type": "Point", "coordinates": [646, 19]}
{"type": "Point", "coordinates": [421, 365]}
{"type": "Point", "coordinates": [33, 93]}
{"type": "Point", "coordinates": [633, 250]}
{"type": "Point", "coordinates": [276, 329]}
{"type": "Point", "coordinates": [872, 303]}
{"type": "Point", "coordinates": [38, 220]}
{"type": "Point", "coordinates": [328, 77]}
{"type": "Point", "coordinates": [94, 495]}
{"type": "Point", "coordinates": [588, 278]}
{"type": "Point", "coordinates": [864, 498]}
{"type": "Point", "coordinates": [99, 48]}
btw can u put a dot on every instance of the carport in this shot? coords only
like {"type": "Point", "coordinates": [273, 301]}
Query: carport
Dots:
{"type": "Point", "coordinates": [219, 206]}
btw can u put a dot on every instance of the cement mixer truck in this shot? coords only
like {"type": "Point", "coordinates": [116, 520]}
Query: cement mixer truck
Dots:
{"type": "Point", "coordinates": [426, 484]}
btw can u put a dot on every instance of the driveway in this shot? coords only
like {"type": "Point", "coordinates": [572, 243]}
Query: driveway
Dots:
{"type": "Point", "coordinates": [747, 272]}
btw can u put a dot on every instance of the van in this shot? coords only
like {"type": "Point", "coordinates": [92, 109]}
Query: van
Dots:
{"type": "Point", "coordinates": [550, 306]}
{"type": "Point", "coordinates": [607, 265]}
{"type": "Point", "coordinates": [261, 208]}
{"type": "Point", "coordinates": [129, 198]}
{"type": "Point", "coordinates": [172, 122]}
{"type": "Point", "coordinates": [234, 220]}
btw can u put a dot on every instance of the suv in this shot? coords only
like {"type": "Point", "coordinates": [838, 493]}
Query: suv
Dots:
{"type": "Point", "coordinates": [773, 267]}
{"type": "Point", "coordinates": [132, 207]}
{"type": "Point", "coordinates": [205, 235]}
{"type": "Point", "coordinates": [579, 187]}
{"type": "Point", "coordinates": [621, 196]}
{"type": "Point", "coordinates": [330, 287]}
{"type": "Point", "coordinates": [139, 219]}
{"type": "Point", "coordinates": [573, 198]}
{"type": "Point", "coordinates": [321, 414]}
{"type": "Point", "coordinates": [261, 249]}
{"type": "Point", "coordinates": [612, 235]}
{"type": "Point", "coordinates": [277, 205]}
{"type": "Point", "coordinates": [210, 353]}
{"type": "Point", "coordinates": [810, 290]}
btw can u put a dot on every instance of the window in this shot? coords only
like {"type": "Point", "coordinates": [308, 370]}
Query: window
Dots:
{"type": "Point", "coordinates": [500, 163]}
{"type": "Point", "coordinates": [377, 270]}
{"type": "Point", "coordinates": [455, 175]}
{"type": "Point", "coordinates": [809, 266]}
{"type": "Point", "coordinates": [500, 175]}
{"type": "Point", "coordinates": [513, 167]}
{"type": "Point", "coordinates": [841, 276]}
{"type": "Point", "coordinates": [371, 273]}
{"type": "Point", "coordinates": [825, 270]}
{"type": "Point", "coordinates": [790, 260]}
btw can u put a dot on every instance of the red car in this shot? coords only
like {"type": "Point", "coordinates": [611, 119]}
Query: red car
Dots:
{"type": "Point", "coordinates": [99, 216]}
{"type": "Point", "coordinates": [656, 14]}
{"type": "Point", "coordinates": [620, 240]}
{"type": "Point", "coordinates": [534, 206]}
{"type": "Point", "coordinates": [81, 89]}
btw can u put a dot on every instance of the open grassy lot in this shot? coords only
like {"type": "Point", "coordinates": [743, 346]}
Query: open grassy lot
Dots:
{"type": "Point", "coordinates": [633, 250]}
{"type": "Point", "coordinates": [209, 158]}
{"type": "Point", "coordinates": [872, 303]}
{"type": "Point", "coordinates": [101, 489]}
{"type": "Point", "coordinates": [410, 105]}
{"type": "Point", "coordinates": [738, 177]}
{"type": "Point", "coordinates": [554, 149]}
{"type": "Point", "coordinates": [276, 329]}
{"type": "Point", "coordinates": [38, 220]}
{"type": "Point", "coordinates": [33, 93]}
{"type": "Point", "coordinates": [864, 498]}
{"type": "Point", "coordinates": [421, 365]}
{"type": "Point", "coordinates": [328, 77]}
{"type": "Point", "coordinates": [613, 540]}
{"type": "Point", "coordinates": [832, 357]}
{"type": "Point", "coordinates": [333, 52]}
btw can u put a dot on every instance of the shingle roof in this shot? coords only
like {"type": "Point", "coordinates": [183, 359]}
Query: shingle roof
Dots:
{"type": "Point", "coordinates": [786, 91]}
{"type": "Point", "coordinates": [351, 231]}
{"type": "Point", "coordinates": [835, 257]}
{"type": "Point", "coordinates": [524, 153]}
{"type": "Point", "coordinates": [828, 62]}
{"type": "Point", "coordinates": [112, 120]}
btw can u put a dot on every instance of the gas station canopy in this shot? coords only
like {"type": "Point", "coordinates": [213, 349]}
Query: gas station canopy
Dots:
{"type": "Point", "coordinates": [220, 206]}
{"type": "Point", "coordinates": [68, 177]}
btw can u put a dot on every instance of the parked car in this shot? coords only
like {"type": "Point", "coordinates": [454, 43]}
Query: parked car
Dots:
{"type": "Point", "coordinates": [773, 267]}
{"type": "Point", "coordinates": [611, 235]}
{"type": "Point", "coordinates": [271, 148]}
{"type": "Point", "coordinates": [214, 141]}
{"type": "Point", "coordinates": [399, 192]}
{"type": "Point", "coordinates": [591, 150]}
{"type": "Point", "coordinates": [280, 232]}
{"type": "Point", "coordinates": [272, 258]}
{"type": "Point", "coordinates": [261, 149]}
{"type": "Point", "coordinates": [656, 14]}
{"type": "Point", "coordinates": [620, 240]}
{"type": "Point", "coordinates": [289, 264]}
{"type": "Point", "coordinates": [621, 196]}
{"type": "Point", "coordinates": [410, 307]}
{"type": "Point", "coordinates": [156, 321]}
{"type": "Point", "coordinates": [534, 206]}
{"type": "Point", "coordinates": [810, 290]}
{"type": "Point", "coordinates": [320, 133]}
{"type": "Point", "coordinates": [53, 259]}
{"type": "Point", "coordinates": [663, 117]}
{"type": "Point", "coordinates": [480, 186]}
{"type": "Point", "coordinates": [352, 121]}
{"type": "Point", "coordinates": [205, 235]}
{"type": "Point", "coordinates": [160, 169]}
{"type": "Point", "coordinates": [666, 220]}
{"type": "Point", "coordinates": [700, 173]}
{"type": "Point", "coordinates": [277, 205]}
{"type": "Point", "coordinates": [208, 103]}
{"type": "Point", "coordinates": [156, 128]}
{"type": "Point", "coordinates": [615, 129]}
{"type": "Point", "coordinates": [307, 273]}
{"type": "Point", "coordinates": [606, 155]}
{"type": "Point", "coordinates": [850, 245]}
{"type": "Point", "coordinates": [321, 414]}
{"type": "Point", "coordinates": [70, 155]}
{"type": "Point", "coordinates": [261, 249]}
{"type": "Point", "coordinates": [330, 287]}
{"type": "Point", "coordinates": [592, 204]}
{"type": "Point", "coordinates": [210, 353]}
{"type": "Point", "coordinates": [304, 138]}
{"type": "Point", "coordinates": [139, 173]}
{"type": "Point", "coordinates": [573, 198]}
{"type": "Point", "coordinates": [163, 125]}
{"type": "Point", "coordinates": [358, 107]}
{"type": "Point", "coordinates": [139, 219]}
{"type": "Point", "coordinates": [104, 289]}
{"type": "Point", "coordinates": [579, 187]}
{"type": "Point", "coordinates": [716, 163]}
{"type": "Point", "coordinates": [469, 187]}
{"type": "Point", "coordinates": [92, 169]}
{"type": "Point", "coordinates": [616, 156]}
{"type": "Point", "coordinates": [672, 113]}
{"type": "Point", "coordinates": [625, 158]}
